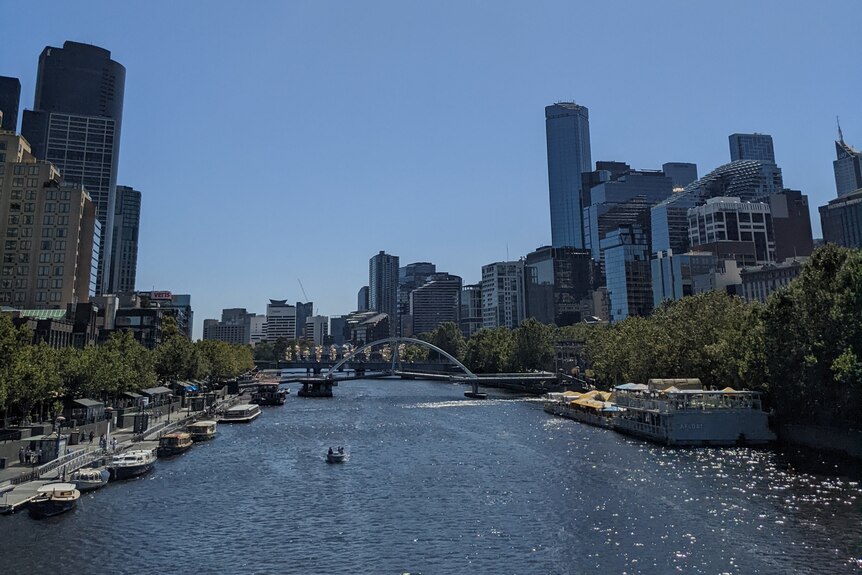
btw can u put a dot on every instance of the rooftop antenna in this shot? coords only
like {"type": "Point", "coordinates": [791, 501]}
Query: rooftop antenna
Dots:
{"type": "Point", "coordinates": [840, 134]}
{"type": "Point", "coordinates": [507, 251]}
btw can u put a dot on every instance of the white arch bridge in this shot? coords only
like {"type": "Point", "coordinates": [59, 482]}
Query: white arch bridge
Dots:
{"type": "Point", "coordinates": [321, 385]}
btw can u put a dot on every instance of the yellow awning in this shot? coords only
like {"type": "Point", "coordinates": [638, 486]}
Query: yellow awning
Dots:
{"type": "Point", "coordinates": [728, 389]}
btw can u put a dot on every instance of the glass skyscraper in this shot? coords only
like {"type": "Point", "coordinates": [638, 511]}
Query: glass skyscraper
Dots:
{"type": "Point", "coordinates": [848, 168]}
{"type": "Point", "coordinates": [75, 124]}
{"type": "Point", "coordinates": [383, 287]}
{"type": "Point", "coordinates": [124, 260]}
{"type": "Point", "coordinates": [567, 127]}
{"type": "Point", "coordinates": [751, 147]}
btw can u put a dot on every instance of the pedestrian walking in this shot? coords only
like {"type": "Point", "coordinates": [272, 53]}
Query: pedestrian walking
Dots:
{"type": "Point", "coordinates": [113, 444]}
{"type": "Point", "coordinates": [22, 456]}
{"type": "Point", "coordinates": [92, 435]}
{"type": "Point", "coordinates": [39, 455]}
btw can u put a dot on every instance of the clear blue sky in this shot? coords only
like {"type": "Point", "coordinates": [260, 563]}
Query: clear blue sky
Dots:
{"type": "Point", "coordinates": [282, 140]}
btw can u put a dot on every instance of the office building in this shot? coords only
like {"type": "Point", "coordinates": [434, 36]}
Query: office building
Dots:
{"type": "Point", "coordinates": [627, 272]}
{"type": "Point", "coordinates": [383, 287]}
{"type": "Point", "coordinates": [316, 329]}
{"type": "Point", "coordinates": [280, 320]}
{"type": "Point", "coordinates": [791, 224]}
{"type": "Point", "coordinates": [470, 314]}
{"type": "Point", "coordinates": [556, 280]}
{"type": "Point", "coordinates": [759, 282]}
{"type": "Point", "coordinates": [751, 147]}
{"type": "Point", "coordinates": [76, 123]}
{"type": "Point", "coordinates": [337, 325]}
{"type": "Point", "coordinates": [622, 200]}
{"type": "Point", "coordinates": [567, 129]}
{"type": "Point", "coordinates": [127, 221]}
{"type": "Point", "coordinates": [411, 277]}
{"type": "Point", "coordinates": [10, 99]}
{"type": "Point", "coordinates": [49, 232]}
{"type": "Point", "coordinates": [680, 173]}
{"type": "Point", "coordinates": [303, 312]}
{"type": "Point", "coordinates": [841, 220]}
{"type": "Point", "coordinates": [178, 306]}
{"type": "Point", "coordinates": [673, 274]}
{"type": "Point", "coordinates": [257, 328]}
{"type": "Point", "coordinates": [234, 327]}
{"type": "Point", "coordinates": [363, 327]}
{"type": "Point", "coordinates": [724, 277]}
{"type": "Point", "coordinates": [749, 180]}
{"type": "Point", "coordinates": [362, 299]}
{"type": "Point", "coordinates": [435, 302]}
{"type": "Point", "coordinates": [847, 167]}
{"type": "Point", "coordinates": [503, 297]}
{"type": "Point", "coordinates": [733, 229]}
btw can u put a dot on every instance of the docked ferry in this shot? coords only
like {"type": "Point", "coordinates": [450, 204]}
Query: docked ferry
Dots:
{"type": "Point", "coordinates": [174, 443]}
{"type": "Point", "coordinates": [593, 407]}
{"type": "Point", "coordinates": [269, 393]}
{"type": "Point", "coordinates": [54, 499]}
{"type": "Point", "coordinates": [203, 430]}
{"type": "Point", "coordinates": [243, 413]}
{"type": "Point", "coordinates": [680, 412]}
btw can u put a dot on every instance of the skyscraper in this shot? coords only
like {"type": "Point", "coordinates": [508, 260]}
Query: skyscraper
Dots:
{"type": "Point", "coordinates": [503, 298]}
{"type": "Point", "coordinates": [383, 287]}
{"type": "Point", "coordinates": [751, 147]}
{"type": "Point", "coordinates": [435, 302]}
{"type": "Point", "coordinates": [848, 167]}
{"type": "Point", "coordinates": [567, 128]}
{"type": "Point", "coordinates": [10, 98]}
{"type": "Point", "coordinates": [124, 260]}
{"type": "Point", "coordinates": [75, 124]}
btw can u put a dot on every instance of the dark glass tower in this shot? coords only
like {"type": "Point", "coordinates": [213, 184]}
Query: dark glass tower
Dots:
{"type": "Point", "coordinates": [124, 259]}
{"type": "Point", "coordinates": [10, 97]}
{"type": "Point", "coordinates": [75, 124]}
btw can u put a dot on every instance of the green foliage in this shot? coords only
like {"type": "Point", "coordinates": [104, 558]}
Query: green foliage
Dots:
{"type": "Point", "coordinates": [490, 350]}
{"type": "Point", "coordinates": [448, 337]}
{"type": "Point", "coordinates": [225, 361]}
{"type": "Point", "coordinates": [533, 346]}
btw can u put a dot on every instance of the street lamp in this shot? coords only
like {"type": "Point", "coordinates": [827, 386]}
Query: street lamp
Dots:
{"type": "Point", "coordinates": [170, 405]}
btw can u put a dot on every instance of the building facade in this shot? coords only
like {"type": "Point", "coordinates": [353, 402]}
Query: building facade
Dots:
{"type": "Point", "coordinates": [76, 124]}
{"type": "Point", "coordinates": [627, 273]}
{"type": "Point", "coordinates": [257, 328]}
{"type": "Point", "coordinates": [362, 299]}
{"type": "Point", "coordinates": [49, 233]}
{"type": "Point", "coordinates": [127, 222]}
{"type": "Point", "coordinates": [383, 287]}
{"type": "Point", "coordinates": [847, 167]}
{"type": "Point", "coordinates": [673, 274]}
{"type": "Point", "coordinates": [435, 302]}
{"type": "Point", "coordinates": [555, 282]}
{"type": "Point", "coordinates": [303, 312]}
{"type": "Point", "coordinates": [316, 329]}
{"type": "Point", "coordinates": [503, 297]}
{"type": "Point", "coordinates": [10, 99]}
{"type": "Point", "coordinates": [733, 229]}
{"type": "Point", "coordinates": [751, 147]}
{"type": "Point", "coordinates": [758, 283]}
{"type": "Point", "coordinates": [680, 173]}
{"type": "Point", "coordinates": [280, 320]}
{"type": "Point", "coordinates": [841, 220]}
{"type": "Point", "coordinates": [567, 129]}
{"type": "Point", "coordinates": [234, 327]}
{"type": "Point", "coordinates": [470, 314]}
{"type": "Point", "coordinates": [791, 224]}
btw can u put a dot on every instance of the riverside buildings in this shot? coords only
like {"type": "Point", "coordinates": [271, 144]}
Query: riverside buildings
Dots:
{"type": "Point", "coordinates": [49, 232]}
{"type": "Point", "coordinates": [10, 98]}
{"type": "Point", "coordinates": [841, 219]}
{"type": "Point", "coordinates": [627, 272]}
{"type": "Point", "coordinates": [75, 124]}
{"type": "Point", "coordinates": [280, 320]}
{"type": "Point", "coordinates": [556, 280]}
{"type": "Point", "coordinates": [435, 302]}
{"type": "Point", "coordinates": [503, 294]}
{"type": "Point", "coordinates": [732, 229]}
{"type": "Point", "coordinates": [470, 315]}
{"type": "Point", "coordinates": [567, 129]}
{"type": "Point", "coordinates": [127, 221]}
{"type": "Point", "coordinates": [383, 287]}
{"type": "Point", "coordinates": [234, 327]}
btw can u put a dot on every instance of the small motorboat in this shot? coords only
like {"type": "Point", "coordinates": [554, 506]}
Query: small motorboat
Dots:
{"type": "Point", "coordinates": [89, 479]}
{"type": "Point", "coordinates": [54, 499]}
{"type": "Point", "coordinates": [174, 443]}
{"type": "Point", "coordinates": [336, 455]}
{"type": "Point", "coordinates": [132, 463]}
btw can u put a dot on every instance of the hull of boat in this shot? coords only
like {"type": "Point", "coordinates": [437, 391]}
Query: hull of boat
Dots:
{"type": "Point", "coordinates": [245, 419]}
{"type": "Point", "coordinates": [51, 507]}
{"type": "Point", "coordinates": [130, 471]}
{"type": "Point", "coordinates": [202, 436]}
{"type": "Point", "coordinates": [172, 450]}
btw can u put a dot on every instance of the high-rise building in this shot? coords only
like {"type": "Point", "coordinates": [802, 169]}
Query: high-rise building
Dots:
{"type": "Point", "coordinates": [10, 99]}
{"type": "Point", "coordinates": [127, 221]}
{"type": "Point", "coordinates": [751, 147]}
{"type": "Point", "coordinates": [49, 233]}
{"type": "Point", "coordinates": [627, 272]}
{"type": "Point", "coordinates": [234, 327]}
{"type": "Point", "coordinates": [435, 302]}
{"type": "Point", "coordinates": [673, 274]}
{"type": "Point", "coordinates": [411, 277]}
{"type": "Point", "coordinates": [316, 329]}
{"type": "Point", "coordinates": [758, 283]}
{"type": "Point", "coordinates": [749, 180]}
{"type": "Point", "coordinates": [303, 312]}
{"type": "Point", "coordinates": [567, 128]}
{"type": "Point", "coordinates": [503, 298]}
{"type": "Point", "coordinates": [383, 287]}
{"type": "Point", "coordinates": [179, 306]}
{"type": "Point", "coordinates": [75, 124]}
{"type": "Point", "coordinates": [556, 280]}
{"type": "Point", "coordinates": [337, 325]}
{"type": "Point", "coordinates": [841, 220]}
{"type": "Point", "coordinates": [791, 224]}
{"type": "Point", "coordinates": [257, 328]}
{"type": "Point", "coordinates": [847, 167]}
{"type": "Point", "coordinates": [733, 229]}
{"type": "Point", "coordinates": [280, 320]}
{"type": "Point", "coordinates": [471, 309]}
{"type": "Point", "coordinates": [362, 299]}
{"type": "Point", "coordinates": [680, 173]}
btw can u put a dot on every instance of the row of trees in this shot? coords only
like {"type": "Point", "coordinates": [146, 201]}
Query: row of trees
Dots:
{"type": "Point", "coordinates": [802, 349]}
{"type": "Point", "coordinates": [34, 379]}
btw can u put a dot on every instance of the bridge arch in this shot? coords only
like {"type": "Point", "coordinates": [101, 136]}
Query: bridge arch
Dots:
{"type": "Point", "coordinates": [396, 341]}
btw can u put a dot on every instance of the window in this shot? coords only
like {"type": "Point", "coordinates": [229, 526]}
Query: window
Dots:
{"type": "Point", "coordinates": [16, 194]}
{"type": "Point", "coordinates": [59, 258]}
{"type": "Point", "coordinates": [63, 220]}
{"type": "Point", "coordinates": [27, 232]}
{"type": "Point", "coordinates": [13, 219]}
{"type": "Point", "coordinates": [31, 194]}
{"type": "Point", "coordinates": [33, 171]}
{"type": "Point", "coordinates": [44, 258]}
{"type": "Point", "coordinates": [27, 207]}
{"type": "Point", "coordinates": [11, 245]}
{"type": "Point", "coordinates": [40, 296]}
{"type": "Point", "coordinates": [44, 270]}
{"type": "Point", "coordinates": [25, 244]}
{"type": "Point", "coordinates": [64, 208]}
{"type": "Point", "coordinates": [19, 170]}
{"type": "Point", "coordinates": [32, 182]}
{"type": "Point", "coordinates": [57, 283]}
{"type": "Point", "coordinates": [49, 208]}
{"type": "Point", "coordinates": [52, 195]}
{"type": "Point", "coordinates": [21, 283]}
{"type": "Point", "coordinates": [47, 221]}
{"type": "Point", "coordinates": [23, 258]}
{"type": "Point", "coordinates": [48, 233]}
{"type": "Point", "coordinates": [55, 296]}
{"type": "Point", "coordinates": [18, 182]}
{"type": "Point", "coordinates": [8, 258]}
{"type": "Point", "coordinates": [42, 284]}
{"type": "Point", "coordinates": [58, 271]}
{"type": "Point", "coordinates": [61, 232]}
{"type": "Point", "coordinates": [46, 245]}
{"type": "Point", "coordinates": [11, 232]}
{"type": "Point", "coordinates": [7, 270]}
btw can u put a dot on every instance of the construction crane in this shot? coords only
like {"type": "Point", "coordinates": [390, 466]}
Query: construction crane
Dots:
{"type": "Point", "coordinates": [305, 295]}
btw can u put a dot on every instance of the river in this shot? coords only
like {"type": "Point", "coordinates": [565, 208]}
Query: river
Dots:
{"type": "Point", "coordinates": [439, 484]}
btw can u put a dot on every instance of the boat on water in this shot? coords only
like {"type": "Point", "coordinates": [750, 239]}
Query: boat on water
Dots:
{"type": "Point", "coordinates": [243, 413]}
{"type": "Point", "coordinates": [202, 430]}
{"type": "Point", "coordinates": [174, 443]}
{"type": "Point", "coordinates": [680, 412]}
{"type": "Point", "coordinates": [54, 499]}
{"type": "Point", "coordinates": [336, 455]}
{"type": "Point", "coordinates": [89, 478]}
{"type": "Point", "coordinates": [592, 407]}
{"type": "Point", "coordinates": [269, 393]}
{"type": "Point", "coordinates": [132, 463]}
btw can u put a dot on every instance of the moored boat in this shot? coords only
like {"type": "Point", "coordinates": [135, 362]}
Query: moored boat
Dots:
{"type": "Point", "coordinates": [681, 412]}
{"type": "Point", "coordinates": [593, 407]}
{"type": "Point", "coordinates": [132, 463]}
{"type": "Point", "coordinates": [243, 413]}
{"type": "Point", "coordinates": [174, 443]}
{"type": "Point", "coordinates": [202, 430]}
{"type": "Point", "coordinates": [336, 455]}
{"type": "Point", "coordinates": [89, 478]}
{"type": "Point", "coordinates": [54, 499]}
{"type": "Point", "coordinates": [269, 393]}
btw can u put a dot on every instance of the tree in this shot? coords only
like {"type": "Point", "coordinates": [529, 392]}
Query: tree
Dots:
{"type": "Point", "coordinates": [533, 346]}
{"type": "Point", "coordinates": [448, 337]}
{"type": "Point", "coordinates": [490, 350]}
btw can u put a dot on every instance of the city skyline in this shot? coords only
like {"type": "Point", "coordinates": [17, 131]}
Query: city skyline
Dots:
{"type": "Point", "coordinates": [394, 126]}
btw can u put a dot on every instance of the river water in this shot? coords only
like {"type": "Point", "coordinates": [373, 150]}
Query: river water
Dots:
{"type": "Point", "coordinates": [439, 484]}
